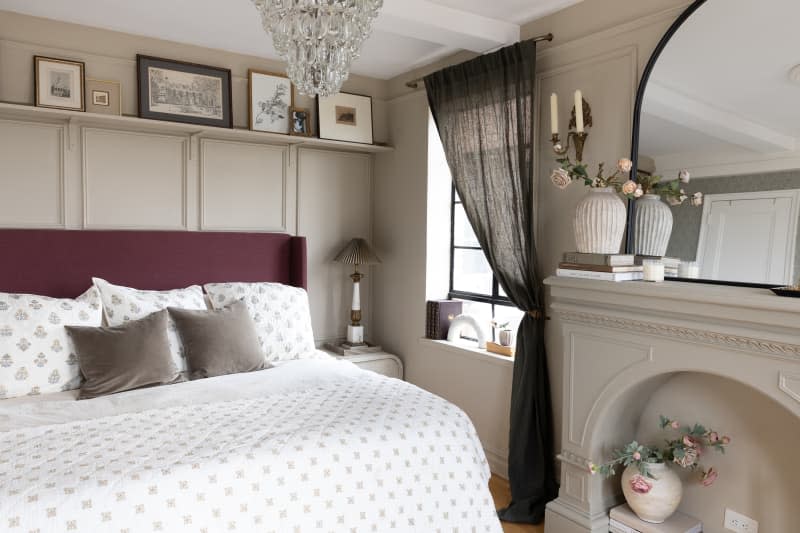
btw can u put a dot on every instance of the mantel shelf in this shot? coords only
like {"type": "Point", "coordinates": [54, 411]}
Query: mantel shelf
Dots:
{"type": "Point", "coordinates": [123, 122]}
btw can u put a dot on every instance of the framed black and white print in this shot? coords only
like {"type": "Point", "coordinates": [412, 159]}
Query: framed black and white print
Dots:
{"type": "Point", "coordinates": [271, 101]}
{"type": "Point", "coordinates": [301, 121]}
{"type": "Point", "coordinates": [59, 83]}
{"type": "Point", "coordinates": [345, 117]}
{"type": "Point", "coordinates": [184, 92]}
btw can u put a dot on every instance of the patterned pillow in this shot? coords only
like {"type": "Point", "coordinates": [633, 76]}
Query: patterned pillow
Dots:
{"type": "Point", "coordinates": [123, 304]}
{"type": "Point", "coordinates": [36, 353]}
{"type": "Point", "coordinates": [281, 314]}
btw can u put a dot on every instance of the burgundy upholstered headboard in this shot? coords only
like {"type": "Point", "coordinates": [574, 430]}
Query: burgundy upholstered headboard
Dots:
{"type": "Point", "coordinates": [61, 263]}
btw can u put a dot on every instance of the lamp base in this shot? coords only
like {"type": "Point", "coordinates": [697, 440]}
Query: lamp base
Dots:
{"type": "Point", "coordinates": [355, 335]}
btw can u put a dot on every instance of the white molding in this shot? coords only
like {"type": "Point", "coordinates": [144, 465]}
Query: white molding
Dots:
{"type": "Point", "coordinates": [785, 380]}
{"type": "Point", "coordinates": [284, 186]}
{"type": "Point", "coordinates": [85, 181]}
{"type": "Point", "coordinates": [498, 461]}
{"type": "Point", "coordinates": [62, 197]}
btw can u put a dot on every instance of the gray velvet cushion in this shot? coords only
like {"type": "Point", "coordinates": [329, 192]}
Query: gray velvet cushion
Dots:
{"type": "Point", "coordinates": [219, 341]}
{"type": "Point", "coordinates": [133, 355]}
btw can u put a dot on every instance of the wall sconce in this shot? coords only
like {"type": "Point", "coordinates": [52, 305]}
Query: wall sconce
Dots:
{"type": "Point", "coordinates": [577, 126]}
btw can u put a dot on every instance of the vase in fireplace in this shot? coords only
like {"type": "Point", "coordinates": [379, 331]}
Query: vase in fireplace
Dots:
{"type": "Point", "coordinates": [653, 499]}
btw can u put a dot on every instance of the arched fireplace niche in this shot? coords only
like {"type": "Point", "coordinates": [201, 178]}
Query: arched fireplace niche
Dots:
{"type": "Point", "coordinates": [624, 344]}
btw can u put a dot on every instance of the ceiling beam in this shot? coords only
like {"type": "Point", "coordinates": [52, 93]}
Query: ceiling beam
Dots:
{"type": "Point", "coordinates": [446, 26]}
{"type": "Point", "coordinates": [665, 103]}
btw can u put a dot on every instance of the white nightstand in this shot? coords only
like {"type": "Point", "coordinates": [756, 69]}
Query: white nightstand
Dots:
{"type": "Point", "coordinates": [381, 362]}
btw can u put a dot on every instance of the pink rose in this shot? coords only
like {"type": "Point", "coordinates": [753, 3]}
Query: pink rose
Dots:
{"type": "Point", "coordinates": [689, 441]}
{"type": "Point", "coordinates": [709, 477]}
{"type": "Point", "coordinates": [697, 199]}
{"type": "Point", "coordinates": [675, 424]}
{"type": "Point", "coordinates": [713, 436]}
{"type": "Point", "coordinates": [726, 440]}
{"type": "Point", "coordinates": [629, 187]}
{"type": "Point", "coordinates": [637, 456]}
{"type": "Point", "coordinates": [640, 485]}
{"type": "Point", "coordinates": [684, 176]}
{"type": "Point", "coordinates": [638, 193]}
{"type": "Point", "coordinates": [689, 458]}
{"type": "Point", "coordinates": [625, 164]}
{"type": "Point", "coordinates": [560, 178]}
{"type": "Point", "coordinates": [592, 468]}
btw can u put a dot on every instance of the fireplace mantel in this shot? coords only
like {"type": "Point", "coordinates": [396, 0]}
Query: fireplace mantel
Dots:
{"type": "Point", "coordinates": [622, 340]}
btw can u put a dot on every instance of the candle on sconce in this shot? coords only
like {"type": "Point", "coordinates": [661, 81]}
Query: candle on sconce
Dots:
{"type": "Point", "coordinates": [579, 111]}
{"type": "Point", "coordinates": [554, 113]}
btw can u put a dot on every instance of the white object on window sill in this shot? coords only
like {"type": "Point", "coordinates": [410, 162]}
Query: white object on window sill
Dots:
{"type": "Point", "coordinates": [465, 347]}
{"type": "Point", "coordinates": [466, 321]}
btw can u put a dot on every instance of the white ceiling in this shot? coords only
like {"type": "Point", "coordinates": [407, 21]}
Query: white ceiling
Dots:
{"type": "Point", "coordinates": [722, 83]}
{"type": "Point", "coordinates": [408, 33]}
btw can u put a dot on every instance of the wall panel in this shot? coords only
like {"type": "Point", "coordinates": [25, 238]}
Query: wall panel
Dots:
{"type": "Point", "coordinates": [134, 180]}
{"type": "Point", "coordinates": [243, 186]}
{"type": "Point", "coordinates": [31, 175]}
{"type": "Point", "coordinates": [334, 205]}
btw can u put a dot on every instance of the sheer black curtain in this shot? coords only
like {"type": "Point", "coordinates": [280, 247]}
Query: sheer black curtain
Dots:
{"type": "Point", "coordinates": [484, 110]}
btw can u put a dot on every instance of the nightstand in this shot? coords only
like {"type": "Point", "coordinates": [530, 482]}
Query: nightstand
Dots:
{"type": "Point", "coordinates": [380, 362]}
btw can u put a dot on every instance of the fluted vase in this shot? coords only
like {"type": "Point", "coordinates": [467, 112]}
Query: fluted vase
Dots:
{"type": "Point", "coordinates": [600, 222]}
{"type": "Point", "coordinates": [652, 226]}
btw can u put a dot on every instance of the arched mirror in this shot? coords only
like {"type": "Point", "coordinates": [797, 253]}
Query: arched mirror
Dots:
{"type": "Point", "coordinates": [720, 99]}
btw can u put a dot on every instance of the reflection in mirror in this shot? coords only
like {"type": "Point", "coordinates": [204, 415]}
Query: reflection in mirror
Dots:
{"type": "Point", "coordinates": [723, 102]}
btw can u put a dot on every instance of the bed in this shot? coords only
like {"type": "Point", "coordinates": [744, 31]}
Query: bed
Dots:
{"type": "Point", "coordinates": [310, 445]}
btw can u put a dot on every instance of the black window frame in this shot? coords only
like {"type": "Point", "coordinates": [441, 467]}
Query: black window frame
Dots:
{"type": "Point", "coordinates": [493, 299]}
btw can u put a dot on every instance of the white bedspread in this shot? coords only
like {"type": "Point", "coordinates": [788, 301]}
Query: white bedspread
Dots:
{"type": "Point", "coordinates": [308, 446]}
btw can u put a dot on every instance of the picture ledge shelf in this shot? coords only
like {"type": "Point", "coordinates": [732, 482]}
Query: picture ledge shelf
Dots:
{"type": "Point", "coordinates": [32, 113]}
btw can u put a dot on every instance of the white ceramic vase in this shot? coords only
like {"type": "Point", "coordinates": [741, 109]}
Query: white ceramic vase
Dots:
{"type": "Point", "coordinates": [653, 226]}
{"type": "Point", "coordinates": [506, 337]}
{"type": "Point", "coordinates": [600, 222]}
{"type": "Point", "coordinates": [652, 499]}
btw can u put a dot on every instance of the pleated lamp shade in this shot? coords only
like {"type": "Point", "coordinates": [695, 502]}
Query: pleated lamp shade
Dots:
{"type": "Point", "coordinates": [357, 252]}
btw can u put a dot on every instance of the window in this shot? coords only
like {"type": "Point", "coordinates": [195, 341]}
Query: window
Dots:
{"type": "Point", "coordinates": [471, 277]}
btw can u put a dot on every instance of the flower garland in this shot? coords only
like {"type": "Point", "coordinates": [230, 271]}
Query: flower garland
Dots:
{"type": "Point", "coordinates": [670, 191]}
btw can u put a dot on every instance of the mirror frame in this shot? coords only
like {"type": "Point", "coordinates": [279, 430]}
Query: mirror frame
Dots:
{"type": "Point", "coordinates": [637, 117]}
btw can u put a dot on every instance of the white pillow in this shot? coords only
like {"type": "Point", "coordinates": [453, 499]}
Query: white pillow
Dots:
{"type": "Point", "coordinates": [122, 304]}
{"type": "Point", "coordinates": [281, 314]}
{"type": "Point", "coordinates": [36, 353]}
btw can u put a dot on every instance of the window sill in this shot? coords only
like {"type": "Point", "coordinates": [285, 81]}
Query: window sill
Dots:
{"type": "Point", "coordinates": [469, 349]}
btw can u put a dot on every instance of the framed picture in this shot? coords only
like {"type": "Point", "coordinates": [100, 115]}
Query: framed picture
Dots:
{"type": "Point", "coordinates": [300, 121]}
{"type": "Point", "coordinates": [271, 99]}
{"type": "Point", "coordinates": [104, 97]}
{"type": "Point", "coordinates": [59, 83]}
{"type": "Point", "coordinates": [184, 92]}
{"type": "Point", "coordinates": [345, 117]}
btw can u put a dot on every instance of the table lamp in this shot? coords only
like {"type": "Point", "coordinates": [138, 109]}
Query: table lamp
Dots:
{"type": "Point", "coordinates": [357, 252]}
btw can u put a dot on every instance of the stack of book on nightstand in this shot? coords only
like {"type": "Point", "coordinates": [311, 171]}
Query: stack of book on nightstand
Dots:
{"type": "Point", "coordinates": [622, 520]}
{"type": "Point", "coordinates": [606, 267]}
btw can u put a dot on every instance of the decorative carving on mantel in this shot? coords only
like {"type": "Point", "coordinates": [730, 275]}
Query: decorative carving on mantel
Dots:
{"type": "Point", "coordinates": [790, 384]}
{"type": "Point", "coordinates": [735, 342]}
{"type": "Point", "coordinates": [574, 459]}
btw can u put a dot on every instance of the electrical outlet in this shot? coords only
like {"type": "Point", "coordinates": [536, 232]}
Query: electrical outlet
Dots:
{"type": "Point", "coordinates": [739, 523]}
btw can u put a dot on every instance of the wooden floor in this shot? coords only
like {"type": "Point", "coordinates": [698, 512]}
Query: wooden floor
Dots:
{"type": "Point", "coordinates": [502, 495]}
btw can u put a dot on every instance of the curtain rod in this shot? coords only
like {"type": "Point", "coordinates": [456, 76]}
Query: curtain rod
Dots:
{"type": "Point", "coordinates": [414, 84]}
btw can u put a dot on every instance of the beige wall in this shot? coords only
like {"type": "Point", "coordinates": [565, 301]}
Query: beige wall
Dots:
{"type": "Point", "coordinates": [122, 175]}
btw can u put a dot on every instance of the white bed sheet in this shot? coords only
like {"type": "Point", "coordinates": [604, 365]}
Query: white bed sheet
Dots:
{"type": "Point", "coordinates": [315, 445]}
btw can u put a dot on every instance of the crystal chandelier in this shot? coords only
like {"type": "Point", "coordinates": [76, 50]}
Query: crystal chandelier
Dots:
{"type": "Point", "coordinates": [319, 39]}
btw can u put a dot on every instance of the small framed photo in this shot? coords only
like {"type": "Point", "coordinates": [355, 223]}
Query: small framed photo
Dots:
{"type": "Point", "coordinates": [345, 117]}
{"type": "Point", "coordinates": [271, 101]}
{"type": "Point", "coordinates": [59, 83]}
{"type": "Point", "coordinates": [301, 121]}
{"type": "Point", "coordinates": [103, 96]}
{"type": "Point", "coordinates": [184, 92]}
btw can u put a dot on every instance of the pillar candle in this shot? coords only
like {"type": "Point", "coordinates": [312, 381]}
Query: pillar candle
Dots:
{"type": "Point", "coordinates": [579, 111]}
{"type": "Point", "coordinates": [653, 270]}
{"type": "Point", "coordinates": [554, 113]}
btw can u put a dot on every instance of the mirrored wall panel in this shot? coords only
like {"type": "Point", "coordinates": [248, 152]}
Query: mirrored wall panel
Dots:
{"type": "Point", "coordinates": [723, 103]}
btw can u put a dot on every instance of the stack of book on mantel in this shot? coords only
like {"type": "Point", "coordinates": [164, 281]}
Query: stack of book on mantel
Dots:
{"type": "Point", "coordinates": [622, 520]}
{"type": "Point", "coordinates": [606, 267]}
